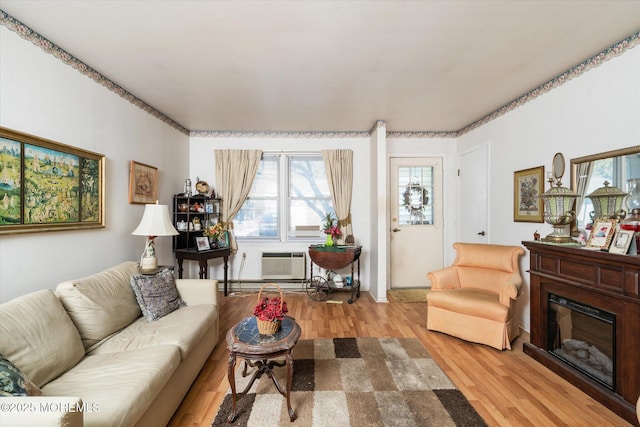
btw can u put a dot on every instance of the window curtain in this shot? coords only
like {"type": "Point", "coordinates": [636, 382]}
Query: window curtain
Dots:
{"type": "Point", "coordinates": [235, 171]}
{"type": "Point", "coordinates": [339, 169]}
{"type": "Point", "coordinates": [583, 177]}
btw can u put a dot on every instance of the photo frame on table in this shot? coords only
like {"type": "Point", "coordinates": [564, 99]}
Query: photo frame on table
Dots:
{"type": "Point", "coordinates": [528, 186]}
{"type": "Point", "coordinates": [622, 242]}
{"type": "Point", "coordinates": [601, 234]}
{"type": "Point", "coordinates": [143, 183]}
{"type": "Point", "coordinates": [202, 243]}
{"type": "Point", "coordinates": [48, 186]}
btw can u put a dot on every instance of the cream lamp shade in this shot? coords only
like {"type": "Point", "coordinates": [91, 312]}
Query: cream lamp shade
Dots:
{"type": "Point", "coordinates": [155, 222]}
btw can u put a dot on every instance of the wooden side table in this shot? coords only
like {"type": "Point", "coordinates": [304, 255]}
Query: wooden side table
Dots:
{"type": "Point", "coordinates": [244, 341]}
{"type": "Point", "coordinates": [202, 257]}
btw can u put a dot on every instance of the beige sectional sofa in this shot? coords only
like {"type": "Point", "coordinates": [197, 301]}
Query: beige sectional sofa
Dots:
{"type": "Point", "coordinates": [96, 359]}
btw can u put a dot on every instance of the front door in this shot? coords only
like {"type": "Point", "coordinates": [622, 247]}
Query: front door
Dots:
{"type": "Point", "coordinates": [416, 220]}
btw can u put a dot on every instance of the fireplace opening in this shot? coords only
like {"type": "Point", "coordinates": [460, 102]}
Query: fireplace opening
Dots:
{"type": "Point", "coordinates": [583, 337]}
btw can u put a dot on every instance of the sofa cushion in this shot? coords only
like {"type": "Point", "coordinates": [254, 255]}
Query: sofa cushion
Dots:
{"type": "Point", "coordinates": [472, 302]}
{"type": "Point", "coordinates": [156, 294]}
{"type": "Point", "coordinates": [38, 337]}
{"type": "Point", "coordinates": [117, 387]}
{"type": "Point", "coordinates": [102, 303]}
{"type": "Point", "coordinates": [167, 330]}
{"type": "Point", "coordinates": [13, 382]}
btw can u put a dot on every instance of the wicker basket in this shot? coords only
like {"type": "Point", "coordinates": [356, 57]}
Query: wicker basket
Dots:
{"type": "Point", "coordinates": [267, 327]}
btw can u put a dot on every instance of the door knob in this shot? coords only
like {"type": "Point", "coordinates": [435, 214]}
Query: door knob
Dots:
{"type": "Point", "coordinates": [482, 233]}
{"type": "Point", "coordinates": [395, 230]}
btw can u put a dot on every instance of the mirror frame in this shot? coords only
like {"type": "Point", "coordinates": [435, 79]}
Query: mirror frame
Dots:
{"type": "Point", "coordinates": [635, 149]}
{"type": "Point", "coordinates": [558, 166]}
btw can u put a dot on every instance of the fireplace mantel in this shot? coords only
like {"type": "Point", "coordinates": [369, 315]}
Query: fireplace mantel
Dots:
{"type": "Point", "coordinates": [607, 281]}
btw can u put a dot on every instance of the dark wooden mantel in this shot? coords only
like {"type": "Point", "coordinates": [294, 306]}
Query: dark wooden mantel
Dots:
{"type": "Point", "coordinates": [607, 281]}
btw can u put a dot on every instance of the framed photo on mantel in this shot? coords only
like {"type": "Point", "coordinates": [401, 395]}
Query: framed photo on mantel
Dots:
{"type": "Point", "coordinates": [528, 186]}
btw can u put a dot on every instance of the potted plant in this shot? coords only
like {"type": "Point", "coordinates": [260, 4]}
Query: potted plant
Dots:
{"type": "Point", "coordinates": [331, 229]}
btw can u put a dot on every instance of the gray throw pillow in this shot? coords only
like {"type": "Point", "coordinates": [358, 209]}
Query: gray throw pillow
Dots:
{"type": "Point", "coordinates": [156, 294]}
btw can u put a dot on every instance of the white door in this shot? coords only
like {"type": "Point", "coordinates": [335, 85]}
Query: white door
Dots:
{"type": "Point", "coordinates": [416, 220]}
{"type": "Point", "coordinates": [473, 195]}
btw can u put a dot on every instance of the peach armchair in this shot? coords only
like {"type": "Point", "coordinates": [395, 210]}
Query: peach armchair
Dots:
{"type": "Point", "coordinates": [474, 299]}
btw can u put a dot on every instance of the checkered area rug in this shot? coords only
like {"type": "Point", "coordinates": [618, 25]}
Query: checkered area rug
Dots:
{"type": "Point", "coordinates": [354, 382]}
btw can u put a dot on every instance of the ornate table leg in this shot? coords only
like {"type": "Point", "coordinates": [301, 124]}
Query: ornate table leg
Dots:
{"type": "Point", "coordinates": [180, 260]}
{"type": "Point", "coordinates": [203, 269]}
{"type": "Point", "coordinates": [232, 383]}
{"type": "Point", "coordinates": [292, 414]}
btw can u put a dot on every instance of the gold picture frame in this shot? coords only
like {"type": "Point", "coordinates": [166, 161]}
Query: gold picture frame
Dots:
{"type": "Point", "coordinates": [143, 183]}
{"type": "Point", "coordinates": [48, 186]}
{"type": "Point", "coordinates": [601, 234]}
{"type": "Point", "coordinates": [528, 186]}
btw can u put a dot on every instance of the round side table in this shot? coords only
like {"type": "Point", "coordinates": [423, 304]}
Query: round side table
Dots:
{"type": "Point", "coordinates": [244, 341]}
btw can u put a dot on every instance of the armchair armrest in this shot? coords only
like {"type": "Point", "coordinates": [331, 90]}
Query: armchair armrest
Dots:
{"type": "Point", "coordinates": [198, 291]}
{"type": "Point", "coordinates": [510, 290]}
{"type": "Point", "coordinates": [445, 278]}
{"type": "Point", "coordinates": [43, 411]}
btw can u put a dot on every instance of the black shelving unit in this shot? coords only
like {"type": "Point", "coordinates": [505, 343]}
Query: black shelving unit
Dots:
{"type": "Point", "coordinates": [185, 210]}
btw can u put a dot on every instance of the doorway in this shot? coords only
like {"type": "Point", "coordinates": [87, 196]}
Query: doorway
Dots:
{"type": "Point", "coordinates": [473, 196]}
{"type": "Point", "coordinates": [416, 220]}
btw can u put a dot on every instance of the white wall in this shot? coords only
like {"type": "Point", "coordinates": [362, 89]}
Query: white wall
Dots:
{"type": "Point", "coordinates": [202, 164]}
{"type": "Point", "coordinates": [42, 96]}
{"type": "Point", "coordinates": [595, 112]}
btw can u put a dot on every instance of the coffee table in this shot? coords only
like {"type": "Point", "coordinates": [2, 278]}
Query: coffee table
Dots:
{"type": "Point", "coordinates": [244, 341]}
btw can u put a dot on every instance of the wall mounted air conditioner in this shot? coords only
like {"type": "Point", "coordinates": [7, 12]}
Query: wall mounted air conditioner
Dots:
{"type": "Point", "coordinates": [283, 265]}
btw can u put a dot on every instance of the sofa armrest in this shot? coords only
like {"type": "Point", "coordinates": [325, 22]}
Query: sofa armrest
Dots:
{"type": "Point", "coordinates": [42, 411]}
{"type": "Point", "coordinates": [510, 290]}
{"type": "Point", "coordinates": [198, 291]}
{"type": "Point", "coordinates": [445, 278]}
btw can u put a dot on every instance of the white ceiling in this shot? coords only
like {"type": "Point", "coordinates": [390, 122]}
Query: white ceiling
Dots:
{"type": "Point", "coordinates": [329, 65]}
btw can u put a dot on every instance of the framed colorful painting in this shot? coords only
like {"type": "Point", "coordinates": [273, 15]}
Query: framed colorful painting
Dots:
{"type": "Point", "coordinates": [528, 186]}
{"type": "Point", "coordinates": [47, 186]}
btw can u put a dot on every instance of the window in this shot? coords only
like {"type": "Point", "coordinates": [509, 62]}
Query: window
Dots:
{"type": "Point", "coordinates": [288, 191]}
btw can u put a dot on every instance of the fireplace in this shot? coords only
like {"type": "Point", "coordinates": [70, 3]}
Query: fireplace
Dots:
{"type": "Point", "coordinates": [583, 337]}
{"type": "Point", "coordinates": [585, 307]}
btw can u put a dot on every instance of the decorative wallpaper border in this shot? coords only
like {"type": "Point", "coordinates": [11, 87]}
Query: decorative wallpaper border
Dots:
{"type": "Point", "coordinates": [64, 56]}
{"type": "Point", "coordinates": [28, 34]}
{"type": "Point", "coordinates": [277, 134]}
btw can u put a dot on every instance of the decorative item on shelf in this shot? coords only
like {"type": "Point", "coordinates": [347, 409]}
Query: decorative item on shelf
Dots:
{"type": "Point", "coordinates": [215, 233]}
{"type": "Point", "coordinates": [633, 191]}
{"type": "Point", "coordinates": [558, 201]}
{"type": "Point", "coordinates": [202, 187]}
{"type": "Point", "coordinates": [632, 223]}
{"type": "Point", "coordinates": [331, 229]}
{"type": "Point", "coordinates": [269, 313]}
{"type": "Point", "coordinates": [607, 202]}
{"type": "Point", "coordinates": [155, 222]}
{"type": "Point", "coordinates": [187, 187]}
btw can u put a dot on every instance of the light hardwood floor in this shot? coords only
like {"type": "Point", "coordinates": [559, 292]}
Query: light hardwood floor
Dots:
{"type": "Point", "coordinates": [506, 388]}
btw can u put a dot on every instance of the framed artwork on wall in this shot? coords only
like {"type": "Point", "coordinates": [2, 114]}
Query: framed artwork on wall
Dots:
{"type": "Point", "coordinates": [143, 183]}
{"type": "Point", "coordinates": [48, 186]}
{"type": "Point", "coordinates": [528, 186]}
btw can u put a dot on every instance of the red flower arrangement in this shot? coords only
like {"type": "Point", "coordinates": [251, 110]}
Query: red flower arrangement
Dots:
{"type": "Point", "coordinates": [270, 310]}
{"type": "Point", "coordinates": [329, 227]}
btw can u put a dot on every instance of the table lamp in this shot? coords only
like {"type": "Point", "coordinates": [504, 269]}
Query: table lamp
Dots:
{"type": "Point", "coordinates": [155, 222]}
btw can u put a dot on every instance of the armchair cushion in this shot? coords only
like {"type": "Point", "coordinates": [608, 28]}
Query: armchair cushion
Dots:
{"type": "Point", "coordinates": [473, 302]}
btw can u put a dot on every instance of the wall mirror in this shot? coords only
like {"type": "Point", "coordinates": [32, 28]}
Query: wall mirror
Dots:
{"type": "Point", "coordinates": [621, 168]}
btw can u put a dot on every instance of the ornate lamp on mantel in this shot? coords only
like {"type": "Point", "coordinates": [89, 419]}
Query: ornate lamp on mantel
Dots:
{"type": "Point", "coordinates": [558, 201]}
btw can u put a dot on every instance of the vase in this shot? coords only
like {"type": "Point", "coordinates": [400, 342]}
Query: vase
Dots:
{"type": "Point", "coordinates": [213, 242]}
{"type": "Point", "coordinates": [329, 240]}
{"type": "Point", "coordinates": [633, 189]}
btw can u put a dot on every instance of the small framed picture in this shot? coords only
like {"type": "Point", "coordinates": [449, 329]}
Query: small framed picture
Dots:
{"type": "Point", "coordinates": [528, 185]}
{"type": "Point", "coordinates": [202, 243]}
{"type": "Point", "coordinates": [601, 234]}
{"type": "Point", "coordinates": [622, 241]}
